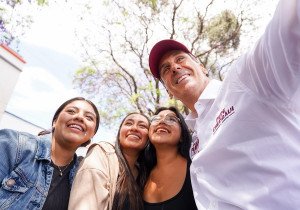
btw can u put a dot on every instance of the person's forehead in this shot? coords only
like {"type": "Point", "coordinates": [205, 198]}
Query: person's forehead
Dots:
{"type": "Point", "coordinates": [166, 112]}
{"type": "Point", "coordinates": [81, 104]}
{"type": "Point", "coordinates": [171, 53]}
{"type": "Point", "coordinates": [136, 117]}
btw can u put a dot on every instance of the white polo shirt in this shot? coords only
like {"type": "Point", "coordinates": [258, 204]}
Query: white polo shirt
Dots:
{"type": "Point", "coordinates": [248, 153]}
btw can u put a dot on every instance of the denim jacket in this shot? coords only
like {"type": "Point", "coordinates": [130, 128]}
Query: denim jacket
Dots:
{"type": "Point", "coordinates": [25, 171]}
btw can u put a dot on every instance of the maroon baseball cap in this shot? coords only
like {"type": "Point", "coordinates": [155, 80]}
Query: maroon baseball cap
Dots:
{"type": "Point", "coordinates": [158, 51]}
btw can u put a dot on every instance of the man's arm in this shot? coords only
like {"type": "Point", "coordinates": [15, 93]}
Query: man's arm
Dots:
{"type": "Point", "coordinates": [272, 68]}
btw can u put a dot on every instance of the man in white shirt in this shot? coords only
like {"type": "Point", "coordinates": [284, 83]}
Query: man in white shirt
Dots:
{"type": "Point", "coordinates": [246, 146]}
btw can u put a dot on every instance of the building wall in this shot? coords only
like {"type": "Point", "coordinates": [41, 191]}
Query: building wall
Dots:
{"type": "Point", "coordinates": [11, 65]}
{"type": "Point", "coordinates": [14, 122]}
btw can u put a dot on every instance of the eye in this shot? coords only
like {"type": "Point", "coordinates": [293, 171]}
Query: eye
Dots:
{"type": "Point", "coordinates": [90, 118]}
{"type": "Point", "coordinates": [172, 119]}
{"type": "Point", "coordinates": [128, 123]}
{"type": "Point", "coordinates": [164, 70]}
{"type": "Point", "coordinates": [155, 118]}
{"type": "Point", "coordinates": [70, 111]}
{"type": "Point", "coordinates": [179, 59]}
{"type": "Point", "coordinates": [144, 126]}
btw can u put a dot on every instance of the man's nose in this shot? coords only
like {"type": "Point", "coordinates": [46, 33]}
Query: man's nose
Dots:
{"type": "Point", "coordinates": [175, 68]}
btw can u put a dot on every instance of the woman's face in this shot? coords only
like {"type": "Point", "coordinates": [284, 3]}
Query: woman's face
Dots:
{"type": "Point", "coordinates": [165, 129]}
{"type": "Point", "coordinates": [134, 132]}
{"type": "Point", "coordinates": [75, 124]}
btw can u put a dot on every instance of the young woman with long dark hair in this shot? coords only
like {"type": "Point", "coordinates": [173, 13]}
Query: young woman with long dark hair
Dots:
{"type": "Point", "coordinates": [168, 186]}
{"type": "Point", "coordinates": [112, 177]}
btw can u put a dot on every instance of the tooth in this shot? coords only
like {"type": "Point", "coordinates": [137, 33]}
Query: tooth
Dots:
{"type": "Point", "coordinates": [76, 126]}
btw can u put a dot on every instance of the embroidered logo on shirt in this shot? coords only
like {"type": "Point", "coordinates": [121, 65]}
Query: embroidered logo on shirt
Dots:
{"type": "Point", "coordinates": [195, 147]}
{"type": "Point", "coordinates": [224, 114]}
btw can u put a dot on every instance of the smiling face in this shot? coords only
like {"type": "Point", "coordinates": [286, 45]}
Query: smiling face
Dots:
{"type": "Point", "coordinates": [75, 124]}
{"type": "Point", "coordinates": [134, 133]}
{"type": "Point", "coordinates": [183, 76]}
{"type": "Point", "coordinates": [162, 133]}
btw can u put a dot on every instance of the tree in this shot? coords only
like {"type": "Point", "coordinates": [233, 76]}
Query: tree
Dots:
{"type": "Point", "coordinates": [116, 56]}
{"type": "Point", "coordinates": [14, 19]}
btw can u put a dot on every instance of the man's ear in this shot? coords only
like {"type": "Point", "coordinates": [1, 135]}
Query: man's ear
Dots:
{"type": "Point", "coordinates": [203, 69]}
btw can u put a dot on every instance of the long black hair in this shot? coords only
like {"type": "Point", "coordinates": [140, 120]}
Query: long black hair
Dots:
{"type": "Point", "coordinates": [61, 107]}
{"type": "Point", "coordinates": [127, 187]}
{"type": "Point", "coordinates": [183, 145]}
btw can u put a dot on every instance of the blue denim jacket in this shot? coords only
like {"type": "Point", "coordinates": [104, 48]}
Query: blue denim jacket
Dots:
{"type": "Point", "coordinates": [25, 171]}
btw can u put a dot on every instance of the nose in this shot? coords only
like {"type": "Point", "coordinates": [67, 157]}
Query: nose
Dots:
{"type": "Point", "coordinates": [161, 120]}
{"type": "Point", "coordinates": [175, 68]}
{"type": "Point", "coordinates": [79, 116]}
{"type": "Point", "coordinates": [134, 127]}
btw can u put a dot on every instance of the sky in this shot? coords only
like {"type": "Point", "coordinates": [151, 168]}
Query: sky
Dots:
{"type": "Point", "coordinates": [46, 80]}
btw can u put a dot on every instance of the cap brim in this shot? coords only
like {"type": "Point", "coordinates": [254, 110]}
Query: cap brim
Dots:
{"type": "Point", "coordinates": [158, 51]}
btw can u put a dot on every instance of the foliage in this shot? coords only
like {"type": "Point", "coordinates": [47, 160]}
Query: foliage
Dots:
{"type": "Point", "coordinates": [14, 20]}
{"type": "Point", "coordinates": [224, 28]}
{"type": "Point", "coordinates": [116, 48]}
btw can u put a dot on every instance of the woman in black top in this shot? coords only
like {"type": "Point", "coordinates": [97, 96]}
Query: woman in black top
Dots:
{"type": "Point", "coordinates": [36, 172]}
{"type": "Point", "coordinates": [168, 186]}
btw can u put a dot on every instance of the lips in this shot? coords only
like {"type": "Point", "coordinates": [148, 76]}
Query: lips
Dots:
{"type": "Point", "coordinates": [76, 126]}
{"type": "Point", "coordinates": [161, 130]}
{"type": "Point", "coordinates": [180, 77]}
{"type": "Point", "coordinates": [134, 135]}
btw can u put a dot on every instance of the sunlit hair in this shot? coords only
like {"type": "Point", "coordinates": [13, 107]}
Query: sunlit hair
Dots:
{"type": "Point", "coordinates": [61, 107]}
{"type": "Point", "coordinates": [183, 145]}
{"type": "Point", "coordinates": [127, 187]}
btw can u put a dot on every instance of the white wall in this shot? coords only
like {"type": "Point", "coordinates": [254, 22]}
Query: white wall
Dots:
{"type": "Point", "coordinates": [11, 65]}
{"type": "Point", "coordinates": [14, 122]}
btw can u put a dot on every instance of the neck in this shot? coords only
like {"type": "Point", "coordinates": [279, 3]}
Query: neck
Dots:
{"type": "Point", "coordinates": [131, 160]}
{"type": "Point", "coordinates": [192, 97]}
{"type": "Point", "coordinates": [167, 156]}
{"type": "Point", "coordinates": [60, 155]}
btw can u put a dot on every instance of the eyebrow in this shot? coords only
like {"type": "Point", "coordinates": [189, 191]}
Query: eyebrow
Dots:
{"type": "Point", "coordinates": [169, 114]}
{"type": "Point", "coordinates": [140, 121]}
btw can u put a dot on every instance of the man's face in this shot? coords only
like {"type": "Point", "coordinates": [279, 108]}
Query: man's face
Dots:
{"type": "Point", "coordinates": [182, 75]}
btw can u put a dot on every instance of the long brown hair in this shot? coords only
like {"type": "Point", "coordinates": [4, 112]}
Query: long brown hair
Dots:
{"type": "Point", "coordinates": [127, 187]}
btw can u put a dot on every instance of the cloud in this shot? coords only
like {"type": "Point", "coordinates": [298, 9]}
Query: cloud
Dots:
{"type": "Point", "coordinates": [38, 94]}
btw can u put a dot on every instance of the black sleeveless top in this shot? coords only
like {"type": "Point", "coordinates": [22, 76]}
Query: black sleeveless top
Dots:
{"type": "Point", "coordinates": [184, 200]}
